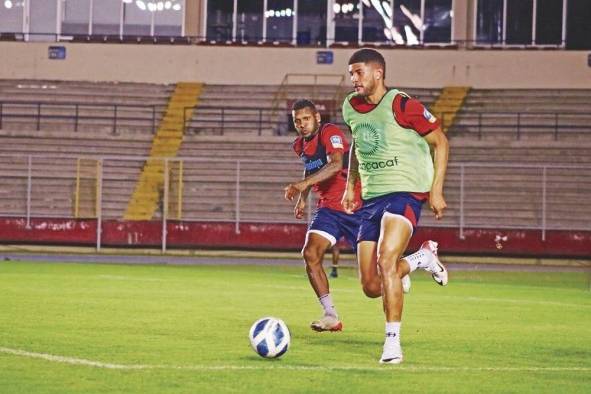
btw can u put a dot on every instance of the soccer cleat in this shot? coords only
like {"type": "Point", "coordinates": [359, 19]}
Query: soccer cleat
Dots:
{"type": "Point", "coordinates": [406, 284]}
{"type": "Point", "coordinates": [327, 323]}
{"type": "Point", "coordinates": [334, 273]}
{"type": "Point", "coordinates": [392, 353]}
{"type": "Point", "coordinates": [436, 268]}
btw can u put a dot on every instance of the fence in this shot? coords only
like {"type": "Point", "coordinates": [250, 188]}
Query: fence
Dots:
{"type": "Point", "coordinates": [479, 195]}
{"type": "Point", "coordinates": [75, 116]}
{"type": "Point", "coordinates": [223, 119]}
{"type": "Point", "coordinates": [520, 124]}
{"type": "Point", "coordinates": [220, 120]}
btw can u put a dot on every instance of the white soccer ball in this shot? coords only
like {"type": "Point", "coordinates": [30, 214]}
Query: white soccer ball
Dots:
{"type": "Point", "coordinates": [269, 337]}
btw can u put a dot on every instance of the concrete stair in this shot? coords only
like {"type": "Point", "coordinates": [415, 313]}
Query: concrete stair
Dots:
{"type": "Point", "coordinates": [167, 141]}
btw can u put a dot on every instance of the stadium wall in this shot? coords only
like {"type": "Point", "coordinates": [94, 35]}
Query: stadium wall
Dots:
{"type": "Point", "coordinates": [194, 235]}
{"type": "Point", "coordinates": [148, 63]}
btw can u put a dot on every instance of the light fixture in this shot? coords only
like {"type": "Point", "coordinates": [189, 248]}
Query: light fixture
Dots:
{"type": "Point", "coordinates": [167, 5]}
{"type": "Point", "coordinates": [160, 6]}
{"type": "Point", "coordinates": [128, 1]}
{"type": "Point", "coordinates": [288, 12]}
{"type": "Point", "coordinates": [141, 5]}
{"type": "Point", "coordinates": [152, 7]}
{"type": "Point", "coordinates": [8, 4]}
{"type": "Point", "coordinates": [336, 7]}
{"type": "Point", "coordinates": [387, 8]}
{"type": "Point", "coordinates": [388, 33]}
{"type": "Point", "coordinates": [176, 7]}
{"type": "Point", "coordinates": [411, 38]}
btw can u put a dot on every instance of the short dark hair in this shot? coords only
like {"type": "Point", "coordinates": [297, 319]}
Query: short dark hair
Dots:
{"type": "Point", "coordinates": [368, 55]}
{"type": "Point", "coordinates": [304, 103]}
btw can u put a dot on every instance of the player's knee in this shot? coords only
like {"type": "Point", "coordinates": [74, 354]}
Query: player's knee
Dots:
{"type": "Point", "coordinates": [400, 271]}
{"type": "Point", "coordinates": [388, 263]}
{"type": "Point", "coordinates": [312, 256]}
{"type": "Point", "coordinates": [371, 289]}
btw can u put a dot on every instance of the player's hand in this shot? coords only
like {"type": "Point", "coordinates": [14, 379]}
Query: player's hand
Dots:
{"type": "Point", "coordinates": [437, 204]}
{"type": "Point", "coordinates": [348, 202]}
{"type": "Point", "coordinates": [298, 211]}
{"type": "Point", "coordinates": [292, 189]}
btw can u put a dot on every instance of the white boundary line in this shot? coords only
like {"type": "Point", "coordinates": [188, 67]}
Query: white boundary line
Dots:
{"type": "Point", "coordinates": [270, 365]}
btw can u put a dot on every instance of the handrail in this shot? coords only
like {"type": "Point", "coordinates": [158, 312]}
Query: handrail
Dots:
{"type": "Point", "coordinates": [148, 115]}
{"type": "Point", "coordinates": [80, 104]}
{"type": "Point", "coordinates": [109, 112]}
{"type": "Point", "coordinates": [273, 161]}
{"type": "Point", "coordinates": [554, 122]}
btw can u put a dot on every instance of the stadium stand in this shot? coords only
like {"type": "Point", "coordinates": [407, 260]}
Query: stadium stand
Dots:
{"type": "Point", "coordinates": [525, 113]}
{"type": "Point", "coordinates": [166, 143]}
{"type": "Point", "coordinates": [507, 191]}
{"type": "Point", "coordinates": [502, 177]}
{"type": "Point", "coordinates": [54, 157]}
{"type": "Point", "coordinates": [253, 109]}
{"type": "Point", "coordinates": [82, 106]}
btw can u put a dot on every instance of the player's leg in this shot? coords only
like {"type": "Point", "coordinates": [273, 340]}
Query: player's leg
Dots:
{"type": "Point", "coordinates": [336, 252]}
{"type": "Point", "coordinates": [395, 235]}
{"type": "Point", "coordinates": [323, 233]}
{"type": "Point", "coordinates": [427, 259]}
{"type": "Point", "coordinates": [313, 254]}
{"type": "Point", "coordinates": [364, 232]}
{"type": "Point", "coordinates": [369, 232]}
{"type": "Point", "coordinates": [371, 282]}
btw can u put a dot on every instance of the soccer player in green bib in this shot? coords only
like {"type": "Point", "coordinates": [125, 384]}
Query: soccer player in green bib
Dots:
{"type": "Point", "coordinates": [392, 135]}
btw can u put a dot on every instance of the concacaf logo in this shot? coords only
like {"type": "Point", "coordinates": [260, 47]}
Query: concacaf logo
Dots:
{"type": "Point", "coordinates": [367, 139]}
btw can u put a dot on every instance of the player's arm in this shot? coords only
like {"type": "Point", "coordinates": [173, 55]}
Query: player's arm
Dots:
{"type": "Point", "coordinates": [298, 210]}
{"type": "Point", "coordinates": [348, 201]}
{"type": "Point", "coordinates": [438, 141]}
{"type": "Point", "coordinates": [335, 164]}
{"type": "Point", "coordinates": [412, 113]}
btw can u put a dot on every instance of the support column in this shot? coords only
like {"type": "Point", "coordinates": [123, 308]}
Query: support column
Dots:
{"type": "Point", "coordinates": [463, 29]}
{"type": "Point", "coordinates": [194, 18]}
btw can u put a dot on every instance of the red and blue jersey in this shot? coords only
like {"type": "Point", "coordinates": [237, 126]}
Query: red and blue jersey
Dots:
{"type": "Point", "coordinates": [314, 154]}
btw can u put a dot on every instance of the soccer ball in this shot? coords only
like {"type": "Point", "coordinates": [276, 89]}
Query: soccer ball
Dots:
{"type": "Point", "coordinates": [269, 337]}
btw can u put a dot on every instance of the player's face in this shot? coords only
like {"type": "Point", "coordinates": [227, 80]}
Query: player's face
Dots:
{"type": "Point", "coordinates": [306, 121]}
{"type": "Point", "coordinates": [364, 77]}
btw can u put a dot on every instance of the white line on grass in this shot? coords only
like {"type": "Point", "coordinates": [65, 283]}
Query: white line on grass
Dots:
{"type": "Point", "coordinates": [276, 366]}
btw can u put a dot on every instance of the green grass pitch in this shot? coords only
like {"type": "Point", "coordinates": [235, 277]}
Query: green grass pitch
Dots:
{"type": "Point", "coordinates": [90, 328]}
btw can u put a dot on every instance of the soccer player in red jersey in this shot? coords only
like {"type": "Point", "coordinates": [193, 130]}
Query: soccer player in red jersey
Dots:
{"type": "Point", "coordinates": [324, 151]}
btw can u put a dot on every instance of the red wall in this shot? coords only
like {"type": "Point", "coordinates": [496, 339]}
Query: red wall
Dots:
{"type": "Point", "coordinates": [280, 236]}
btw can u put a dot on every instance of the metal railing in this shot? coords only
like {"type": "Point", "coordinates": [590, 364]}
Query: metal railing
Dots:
{"type": "Point", "coordinates": [519, 124]}
{"type": "Point", "coordinates": [114, 116]}
{"type": "Point", "coordinates": [119, 117]}
{"type": "Point", "coordinates": [227, 118]}
{"type": "Point", "coordinates": [479, 195]}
